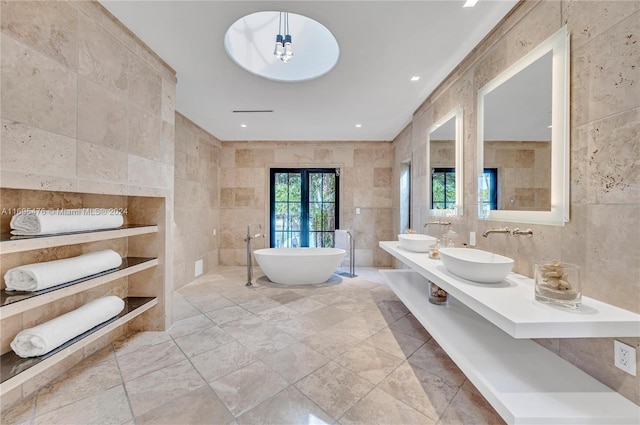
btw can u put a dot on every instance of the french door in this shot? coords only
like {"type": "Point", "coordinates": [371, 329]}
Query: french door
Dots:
{"type": "Point", "coordinates": [304, 207]}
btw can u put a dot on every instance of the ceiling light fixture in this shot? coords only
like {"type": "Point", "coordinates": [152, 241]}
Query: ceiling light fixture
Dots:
{"type": "Point", "coordinates": [470, 3]}
{"type": "Point", "coordinates": [415, 78]}
{"type": "Point", "coordinates": [243, 125]}
{"type": "Point", "coordinates": [283, 49]}
{"type": "Point", "coordinates": [358, 125]}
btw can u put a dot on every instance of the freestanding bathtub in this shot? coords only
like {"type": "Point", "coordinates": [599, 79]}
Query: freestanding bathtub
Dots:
{"type": "Point", "coordinates": [299, 266]}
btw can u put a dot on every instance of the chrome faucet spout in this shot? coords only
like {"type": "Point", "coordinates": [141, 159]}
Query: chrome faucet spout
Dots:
{"type": "Point", "coordinates": [498, 230]}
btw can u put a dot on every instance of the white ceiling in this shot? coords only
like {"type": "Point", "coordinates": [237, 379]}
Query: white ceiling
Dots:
{"type": "Point", "coordinates": [382, 45]}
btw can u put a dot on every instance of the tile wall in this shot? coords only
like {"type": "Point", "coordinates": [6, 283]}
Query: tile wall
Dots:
{"type": "Point", "coordinates": [365, 183]}
{"type": "Point", "coordinates": [87, 110]}
{"type": "Point", "coordinates": [197, 201]}
{"type": "Point", "coordinates": [602, 234]}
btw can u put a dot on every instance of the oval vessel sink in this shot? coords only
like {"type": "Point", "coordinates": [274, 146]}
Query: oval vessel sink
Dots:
{"type": "Point", "coordinates": [416, 242]}
{"type": "Point", "coordinates": [476, 265]}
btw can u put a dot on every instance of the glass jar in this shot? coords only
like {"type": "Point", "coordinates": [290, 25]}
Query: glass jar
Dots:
{"type": "Point", "coordinates": [558, 283]}
{"type": "Point", "coordinates": [437, 295]}
{"type": "Point", "coordinates": [434, 250]}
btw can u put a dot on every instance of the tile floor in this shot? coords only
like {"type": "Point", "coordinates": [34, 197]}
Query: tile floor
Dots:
{"type": "Point", "coordinates": [344, 352]}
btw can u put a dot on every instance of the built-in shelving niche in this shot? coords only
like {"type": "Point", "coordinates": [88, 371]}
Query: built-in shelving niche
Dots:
{"type": "Point", "coordinates": [139, 281]}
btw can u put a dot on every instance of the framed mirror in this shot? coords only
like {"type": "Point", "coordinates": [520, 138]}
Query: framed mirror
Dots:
{"type": "Point", "coordinates": [523, 138]}
{"type": "Point", "coordinates": [444, 162]}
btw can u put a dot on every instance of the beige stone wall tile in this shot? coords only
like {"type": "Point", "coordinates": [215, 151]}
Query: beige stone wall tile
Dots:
{"type": "Point", "coordinates": [145, 133]}
{"type": "Point", "coordinates": [102, 59]}
{"type": "Point", "coordinates": [145, 86]}
{"type": "Point", "coordinates": [595, 356]}
{"type": "Point", "coordinates": [382, 177]}
{"type": "Point", "coordinates": [44, 378]}
{"type": "Point", "coordinates": [98, 162]}
{"type": "Point", "coordinates": [49, 27]}
{"type": "Point", "coordinates": [37, 90]}
{"type": "Point", "coordinates": [604, 84]}
{"type": "Point", "coordinates": [9, 328]}
{"type": "Point", "coordinates": [612, 262]}
{"type": "Point", "coordinates": [102, 116]}
{"type": "Point", "coordinates": [168, 106]}
{"type": "Point", "coordinates": [146, 172]}
{"type": "Point", "coordinates": [31, 150]}
{"type": "Point", "coordinates": [578, 15]}
{"type": "Point", "coordinates": [613, 169]}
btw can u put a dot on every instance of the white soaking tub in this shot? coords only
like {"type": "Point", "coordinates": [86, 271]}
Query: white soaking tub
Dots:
{"type": "Point", "coordinates": [299, 266]}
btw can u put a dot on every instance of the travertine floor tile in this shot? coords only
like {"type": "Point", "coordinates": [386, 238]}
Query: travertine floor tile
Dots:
{"type": "Point", "coordinates": [132, 342]}
{"type": "Point", "coordinates": [432, 358]}
{"type": "Point", "coordinates": [272, 367]}
{"type": "Point", "coordinates": [190, 325]}
{"type": "Point", "coordinates": [378, 405]}
{"type": "Point", "coordinates": [469, 407]}
{"type": "Point", "coordinates": [87, 379]}
{"type": "Point", "coordinates": [369, 362]}
{"type": "Point", "coordinates": [155, 389]}
{"type": "Point", "coordinates": [331, 342]}
{"type": "Point", "coordinates": [295, 361]}
{"type": "Point", "coordinates": [148, 359]}
{"type": "Point", "coordinates": [289, 407]}
{"type": "Point", "coordinates": [248, 387]}
{"type": "Point", "coordinates": [196, 407]}
{"type": "Point", "coordinates": [106, 407]}
{"type": "Point", "coordinates": [227, 314]}
{"type": "Point", "coordinates": [220, 361]}
{"type": "Point", "coordinates": [394, 342]}
{"type": "Point", "coordinates": [183, 309]}
{"type": "Point", "coordinates": [204, 340]}
{"type": "Point", "coordinates": [427, 393]}
{"type": "Point", "coordinates": [334, 388]}
{"type": "Point", "coordinates": [409, 325]}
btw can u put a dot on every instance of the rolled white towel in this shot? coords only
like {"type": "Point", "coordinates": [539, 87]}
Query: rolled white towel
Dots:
{"type": "Point", "coordinates": [47, 336]}
{"type": "Point", "coordinates": [44, 222]}
{"type": "Point", "coordinates": [33, 277]}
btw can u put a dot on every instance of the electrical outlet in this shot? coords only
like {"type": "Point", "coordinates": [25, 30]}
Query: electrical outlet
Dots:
{"type": "Point", "coordinates": [472, 238]}
{"type": "Point", "coordinates": [624, 357]}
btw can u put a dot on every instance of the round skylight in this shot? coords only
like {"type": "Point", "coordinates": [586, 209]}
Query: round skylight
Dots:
{"type": "Point", "coordinates": [251, 41]}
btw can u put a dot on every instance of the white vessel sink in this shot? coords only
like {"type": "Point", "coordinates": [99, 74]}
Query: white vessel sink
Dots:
{"type": "Point", "coordinates": [416, 242]}
{"type": "Point", "coordinates": [476, 265]}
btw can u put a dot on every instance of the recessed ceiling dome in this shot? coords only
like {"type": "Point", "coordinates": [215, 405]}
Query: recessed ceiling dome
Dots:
{"type": "Point", "coordinates": [251, 39]}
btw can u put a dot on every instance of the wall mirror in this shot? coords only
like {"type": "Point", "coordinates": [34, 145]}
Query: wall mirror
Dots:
{"type": "Point", "coordinates": [444, 160]}
{"type": "Point", "coordinates": [523, 138]}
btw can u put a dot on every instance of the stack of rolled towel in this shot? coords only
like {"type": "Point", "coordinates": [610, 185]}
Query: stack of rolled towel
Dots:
{"type": "Point", "coordinates": [38, 276]}
{"type": "Point", "coordinates": [33, 222]}
{"type": "Point", "coordinates": [48, 336]}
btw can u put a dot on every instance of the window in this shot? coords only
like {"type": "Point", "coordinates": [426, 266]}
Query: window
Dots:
{"type": "Point", "coordinates": [304, 207]}
{"type": "Point", "coordinates": [489, 189]}
{"type": "Point", "coordinates": [443, 188]}
{"type": "Point", "coordinates": [405, 196]}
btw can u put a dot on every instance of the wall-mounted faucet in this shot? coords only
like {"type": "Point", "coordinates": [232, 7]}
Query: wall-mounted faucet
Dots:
{"type": "Point", "coordinates": [498, 230]}
{"type": "Point", "coordinates": [518, 232]}
{"type": "Point", "coordinates": [442, 223]}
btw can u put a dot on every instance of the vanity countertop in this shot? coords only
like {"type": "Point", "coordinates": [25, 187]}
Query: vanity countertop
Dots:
{"type": "Point", "coordinates": [510, 305]}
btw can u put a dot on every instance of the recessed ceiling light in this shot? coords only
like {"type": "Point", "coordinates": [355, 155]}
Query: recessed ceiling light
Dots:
{"type": "Point", "coordinates": [415, 78]}
{"type": "Point", "coordinates": [243, 125]}
{"type": "Point", "coordinates": [358, 125]}
{"type": "Point", "coordinates": [470, 3]}
{"type": "Point", "coordinates": [548, 126]}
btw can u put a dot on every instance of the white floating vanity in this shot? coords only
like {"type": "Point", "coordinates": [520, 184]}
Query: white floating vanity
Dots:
{"type": "Point", "coordinates": [485, 329]}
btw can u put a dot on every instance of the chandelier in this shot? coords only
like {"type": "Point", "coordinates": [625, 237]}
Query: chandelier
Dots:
{"type": "Point", "coordinates": [283, 49]}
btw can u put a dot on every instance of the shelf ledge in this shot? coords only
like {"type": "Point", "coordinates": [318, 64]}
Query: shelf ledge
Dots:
{"type": "Point", "coordinates": [14, 302]}
{"type": "Point", "coordinates": [12, 243]}
{"type": "Point", "coordinates": [510, 305]}
{"type": "Point", "coordinates": [523, 381]}
{"type": "Point", "coordinates": [15, 370]}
